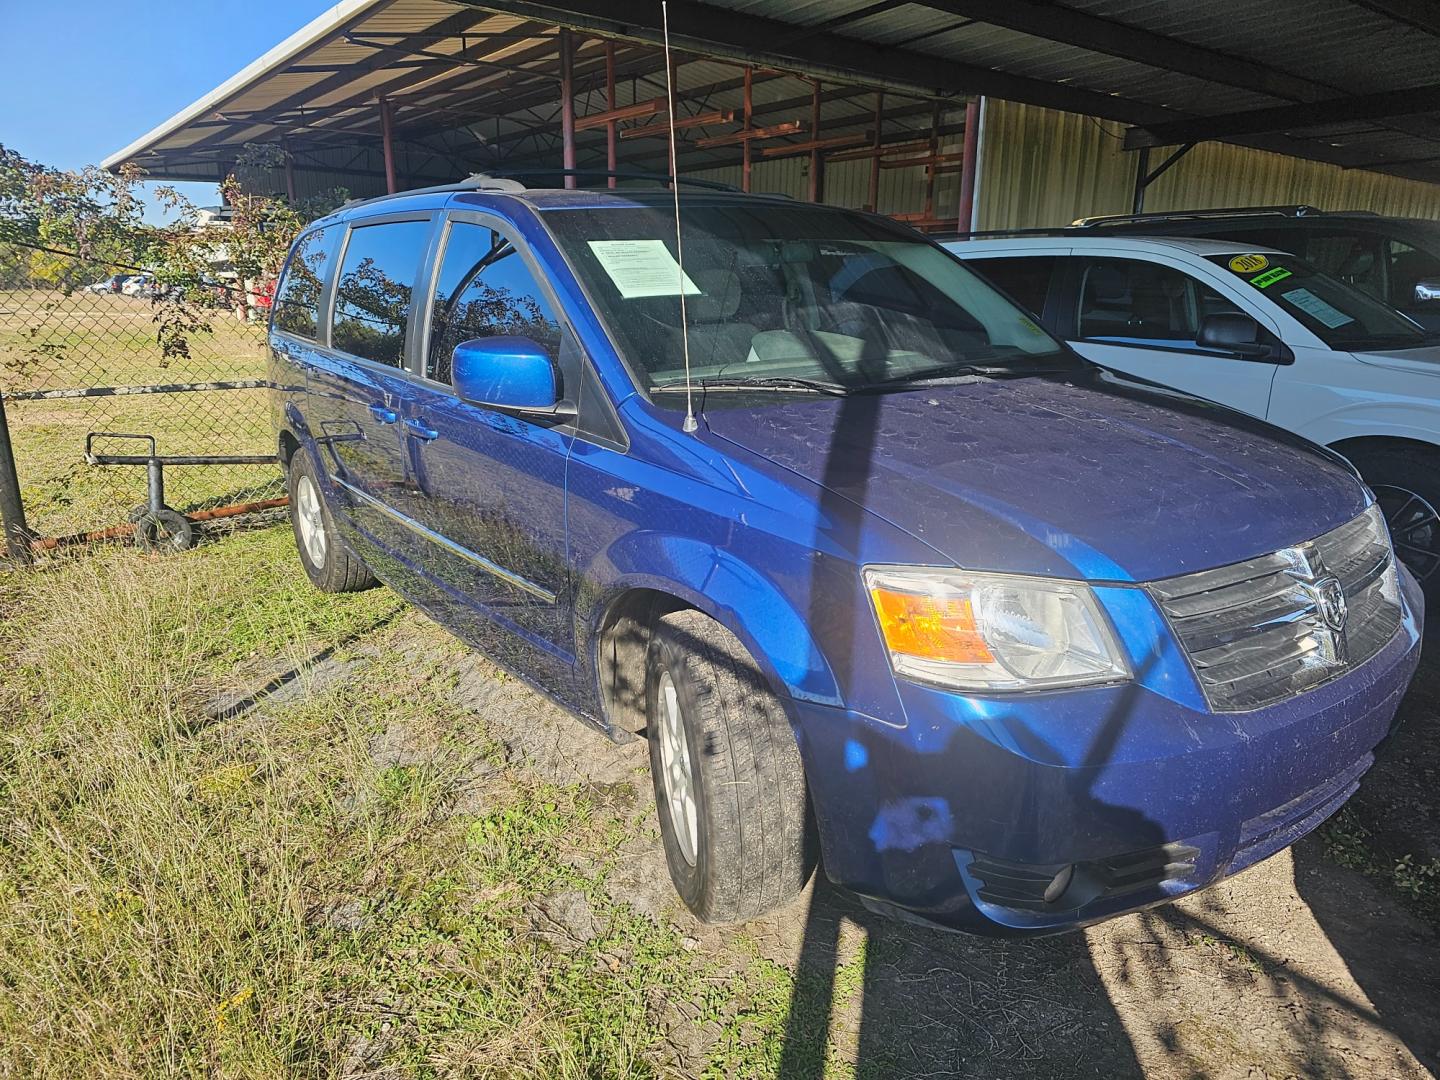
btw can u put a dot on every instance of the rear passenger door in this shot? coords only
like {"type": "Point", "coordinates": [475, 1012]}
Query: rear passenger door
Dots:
{"type": "Point", "coordinates": [489, 484]}
{"type": "Point", "coordinates": [358, 382]}
{"type": "Point", "coordinates": [1141, 317]}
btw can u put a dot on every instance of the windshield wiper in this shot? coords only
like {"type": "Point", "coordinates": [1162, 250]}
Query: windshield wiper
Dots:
{"type": "Point", "coordinates": [938, 375]}
{"type": "Point", "coordinates": [773, 382]}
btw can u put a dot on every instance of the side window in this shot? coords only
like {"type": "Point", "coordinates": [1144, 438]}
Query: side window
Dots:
{"type": "Point", "coordinates": [485, 290]}
{"type": "Point", "coordinates": [1127, 300]}
{"type": "Point", "coordinates": [1027, 280]}
{"type": "Point", "coordinates": [372, 297]}
{"type": "Point", "coordinates": [297, 299]}
{"type": "Point", "coordinates": [1408, 267]}
{"type": "Point", "coordinates": [1353, 258]}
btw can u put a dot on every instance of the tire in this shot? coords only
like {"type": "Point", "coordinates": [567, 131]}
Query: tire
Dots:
{"type": "Point", "coordinates": [329, 563]}
{"type": "Point", "coordinates": [1406, 482]}
{"type": "Point", "coordinates": [748, 846]}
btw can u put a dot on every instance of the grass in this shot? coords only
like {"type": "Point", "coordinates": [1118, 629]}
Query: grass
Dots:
{"type": "Point", "coordinates": [50, 341]}
{"type": "Point", "coordinates": [300, 889]}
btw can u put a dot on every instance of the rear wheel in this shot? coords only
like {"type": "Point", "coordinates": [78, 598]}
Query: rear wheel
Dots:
{"type": "Point", "coordinates": [329, 564]}
{"type": "Point", "coordinates": [1406, 483]}
{"type": "Point", "coordinates": [729, 785]}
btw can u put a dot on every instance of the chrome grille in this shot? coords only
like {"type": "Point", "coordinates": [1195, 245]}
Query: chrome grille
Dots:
{"type": "Point", "coordinates": [1265, 629]}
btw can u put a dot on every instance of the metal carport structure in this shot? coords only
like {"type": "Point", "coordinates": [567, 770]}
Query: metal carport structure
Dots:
{"type": "Point", "coordinates": [856, 101]}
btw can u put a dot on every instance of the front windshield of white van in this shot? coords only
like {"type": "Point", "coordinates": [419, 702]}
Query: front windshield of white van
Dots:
{"type": "Point", "coordinates": [787, 292]}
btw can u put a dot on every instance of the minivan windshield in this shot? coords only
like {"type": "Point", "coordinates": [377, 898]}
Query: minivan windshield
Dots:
{"type": "Point", "coordinates": [790, 297]}
{"type": "Point", "coordinates": [1338, 314]}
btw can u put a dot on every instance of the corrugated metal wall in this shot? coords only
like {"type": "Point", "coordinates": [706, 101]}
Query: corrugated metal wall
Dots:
{"type": "Point", "coordinates": [1042, 168]}
{"type": "Point", "coordinates": [847, 183]}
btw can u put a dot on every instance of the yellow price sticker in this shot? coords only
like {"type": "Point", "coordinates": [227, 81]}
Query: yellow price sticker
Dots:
{"type": "Point", "coordinates": [1249, 264]}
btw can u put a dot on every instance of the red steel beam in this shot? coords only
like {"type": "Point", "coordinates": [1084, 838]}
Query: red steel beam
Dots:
{"type": "Point", "coordinates": [774, 131]}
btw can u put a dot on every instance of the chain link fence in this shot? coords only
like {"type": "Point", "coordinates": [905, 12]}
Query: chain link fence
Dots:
{"type": "Point", "coordinates": [90, 352]}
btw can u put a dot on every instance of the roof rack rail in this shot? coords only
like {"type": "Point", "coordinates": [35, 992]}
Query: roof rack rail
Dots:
{"type": "Point", "coordinates": [980, 234]}
{"type": "Point", "coordinates": [473, 182]}
{"type": "Point", "coordinates": [620, 174]}
{"type": "Point", "coordinates": [1299, 210]}
{"type": "Point", "coordinates": [510, 185]}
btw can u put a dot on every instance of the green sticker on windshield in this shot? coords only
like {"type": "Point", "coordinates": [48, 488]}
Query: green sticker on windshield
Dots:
{"type": "Point", "coordinates": [1265, 280]}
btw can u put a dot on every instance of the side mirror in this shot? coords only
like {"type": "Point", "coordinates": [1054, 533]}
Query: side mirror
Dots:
{"type": "Point", "coordinates": [1234, 333]}
{"type": "Point", "coordinates": [1427, 292]}
{"type": "Point", "coordinates": [505, 373]}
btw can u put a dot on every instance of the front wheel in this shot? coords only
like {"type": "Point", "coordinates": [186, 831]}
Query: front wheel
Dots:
{"type": "Point", "coordinates": [1406, 483]}
{"type": "Point", "coordinates": [729, 785]}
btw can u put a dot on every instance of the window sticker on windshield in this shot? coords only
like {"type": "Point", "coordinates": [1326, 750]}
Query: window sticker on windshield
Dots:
{"type": "Point", "coordinates": [642, 268]}
{"type": "Point", "coordinates": [1248, 264]}
{"type": "Point", "coordinates": [1316, 308]}
{"type": "Point", "coordinates": [1265, 280]}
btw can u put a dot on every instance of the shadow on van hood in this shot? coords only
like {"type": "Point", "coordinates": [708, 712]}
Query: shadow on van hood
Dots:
{"type": "Point", "coordinates": [1088, 480]}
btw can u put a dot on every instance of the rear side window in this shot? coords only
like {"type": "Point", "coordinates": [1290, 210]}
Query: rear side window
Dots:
{"type": "Point", "coordinates": [297, 300]}
{"type": "Point", "coordinates": [485, 290]}
{"type": "Point", "coordinates": [372, 296]}
{"type": "Point", "coordinates": [1130, 301]}
{"type": "Point", "coordinates": [1027, 280]}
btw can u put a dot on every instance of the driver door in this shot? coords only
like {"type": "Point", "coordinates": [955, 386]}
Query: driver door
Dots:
{"type": "Point", "coordinates": [489, 485]}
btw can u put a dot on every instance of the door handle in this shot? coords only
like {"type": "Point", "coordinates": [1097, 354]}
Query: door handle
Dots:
{"type": "Point", "coordinates": [384, 415]}
{"type": "Point", "coordinates": [420, 429]}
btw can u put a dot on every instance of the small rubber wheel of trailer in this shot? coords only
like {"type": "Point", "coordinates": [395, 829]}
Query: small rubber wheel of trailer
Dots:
{"type": "Point", "coordinates": [164, 530]}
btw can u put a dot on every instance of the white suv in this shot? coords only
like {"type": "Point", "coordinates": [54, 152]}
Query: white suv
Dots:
{"type": "Point", "coordinates": [1259, 331]}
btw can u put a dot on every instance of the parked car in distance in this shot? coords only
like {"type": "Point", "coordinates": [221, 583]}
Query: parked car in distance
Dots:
{"type": "Point", "coordinates": [107, 285]}
{"type": "Point", "coordinates": [882, 569]}
{"type": "Point", "coordinates": [137, 285]}
{"type": "Point", "coordinates": [1257, 330]}
{"type": "Point", "coordinates": [1394, 259]}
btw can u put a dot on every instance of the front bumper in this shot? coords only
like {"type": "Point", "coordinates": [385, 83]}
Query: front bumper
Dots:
{"type": "Point", "coordinates": [962, 811]}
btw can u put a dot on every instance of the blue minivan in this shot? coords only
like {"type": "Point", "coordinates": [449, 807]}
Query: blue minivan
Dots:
{"type": "Point", "coordinates": [890, 579]}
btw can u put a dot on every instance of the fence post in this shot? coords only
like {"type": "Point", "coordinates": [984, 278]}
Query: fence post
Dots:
{"type": "Point", "coordinates": [12, 508]}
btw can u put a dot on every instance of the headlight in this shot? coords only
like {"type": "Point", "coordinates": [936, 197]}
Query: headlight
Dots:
{"type": "Point", "coordinates": [992, 631]}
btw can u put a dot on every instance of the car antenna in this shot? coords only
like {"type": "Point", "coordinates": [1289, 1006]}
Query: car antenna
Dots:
{"type": "Point", "coordinates": [690, 424]}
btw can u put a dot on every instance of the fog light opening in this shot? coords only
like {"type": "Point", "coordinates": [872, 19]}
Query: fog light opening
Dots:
{"type": "Point", "coordinates": [1059, 883]}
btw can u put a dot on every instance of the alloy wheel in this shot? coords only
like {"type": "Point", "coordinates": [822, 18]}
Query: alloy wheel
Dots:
{"type": "Point", "coordinates": [1414, 528]}
{"type": "Point", "coordinates": [677, 777]}
{"type": "Point", "coordinates": [311, 521]}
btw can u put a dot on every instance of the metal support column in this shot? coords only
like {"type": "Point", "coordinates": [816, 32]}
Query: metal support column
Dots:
{"type": "Point", "coordinates": [290, 176]}
{"type": "Point", "coordinates": [567, 103]}
{"type": "Point", "coordinates": [387, 141]}
{"type": "Point", "coordinates": [817, 164]}
{"type": "Point", "coordinates": [969, 162]}
{"type": "Point", "coordinates": [12, 507]}
{"type": "Point", "coordinates": [930, 170]}
{"type": "Point", "coordinates": [1142, 168]}
{"type": "Point", "coordinates": [745, 146]}
{"type": "Point", "coordinates": [873, 205]}
{"type": "Point", "coordinates": [1144, 179]}
{"type": "Point", "coordinates": [610, 126]}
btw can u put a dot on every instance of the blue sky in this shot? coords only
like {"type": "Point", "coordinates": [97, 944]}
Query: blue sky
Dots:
{"type": "Point", "coordinates": [79, 79]}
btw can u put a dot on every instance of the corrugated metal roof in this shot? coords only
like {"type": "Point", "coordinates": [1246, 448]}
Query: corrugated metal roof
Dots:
{"type": "Point", "coordinates": [474, 85]}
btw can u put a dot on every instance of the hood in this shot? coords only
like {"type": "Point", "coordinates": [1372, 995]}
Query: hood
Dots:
{"type": "Point", "coordinates": [1089, 480]}
{"type": "Point", "coordinates": [1425, 361]}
